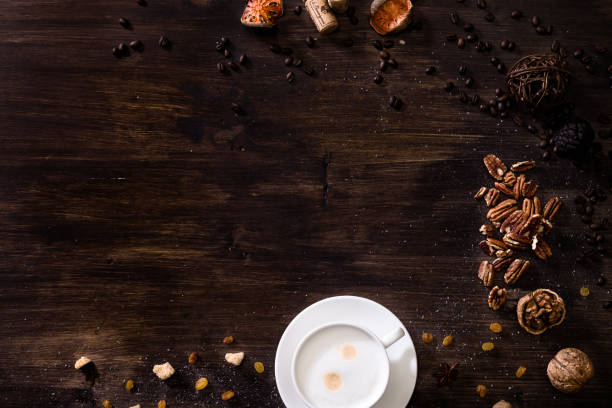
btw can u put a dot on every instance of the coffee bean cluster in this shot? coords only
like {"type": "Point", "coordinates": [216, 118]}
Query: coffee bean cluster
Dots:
{"type": "Point", "coordinates": [541, 29]}
{"type": "Point", "coordinates": [289, 60]}
{"type": "Point", "coordinates": [123, 50]}
{"type": "Point", "coordinates": [223, 46]}
{"type": "Point", "coordinates": [586, 60]}
{"type": "Point", "coordinates": [470, 36]}
{"type": "Point", "coordinates": [385, 60]}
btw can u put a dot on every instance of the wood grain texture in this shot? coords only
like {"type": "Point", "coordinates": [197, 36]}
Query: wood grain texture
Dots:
{"type": "Point", "coordinates": [141, 219]}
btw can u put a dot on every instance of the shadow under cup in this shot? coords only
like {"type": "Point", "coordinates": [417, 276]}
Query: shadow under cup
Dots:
{"type": "Point", "coordinates": [341, 365]}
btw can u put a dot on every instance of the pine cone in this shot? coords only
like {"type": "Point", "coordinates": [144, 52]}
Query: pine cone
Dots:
{"type": "Point", "coordinates": [574, 139]}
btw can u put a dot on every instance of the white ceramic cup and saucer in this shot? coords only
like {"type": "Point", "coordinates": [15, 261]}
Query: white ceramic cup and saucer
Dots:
{"type": "Point", "coordinates": [346, 351]}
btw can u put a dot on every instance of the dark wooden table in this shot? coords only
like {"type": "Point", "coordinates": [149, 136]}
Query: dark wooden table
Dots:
{"type": "Point", "coordinates": [142, 219]}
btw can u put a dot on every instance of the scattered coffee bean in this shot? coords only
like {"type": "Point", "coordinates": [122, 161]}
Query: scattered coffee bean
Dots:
{"type": "Point", "coordinates": [463, 97]}
{"type": "Point", "coordinates": [563, 52]}
{"type": "Point", "coordinates": [243, 59]}
{"type": "Point", "coordinates": [289, 61]}
{"type": "Point", "coordinates": [221, 67]}
{"type": "Point", "coordinates": [377, 44]}
{"type": "Point", "coordinates": [125, 23]}
{"type": "Point", "coordinates": [233, 66]}
{"type": "Point", "coordinates": [219, 47]}
{"type": "Point", "coordinates": [471, 38]}
{"type": "Point", "coordinates": [578, 53]}
{"type": "Point", "coordinates": [518, 121]}
{"type": "Point", "coordinates": [601, 281]}
{"type": "Point", "coordinates": [116, 52]}
{"type": "Point", "coordinates": [495, 61]}
{"type": "Point", "coordinates": [480, 46]}
{"type": "Point", "coordinates": [164, 42]}
{"type": "Point", "coordinates": [503, 44]}
{"type": "Point", "coordinates": [297, 62]}
{"type": "Point", "coordinates": [541, 30]}
{"type": "Point", "coordinates": [142, 3]}
{"type": "Point", "coordinates": [354, 20]}
{"type": "Point", "coordinates": [607, 305]}
{"type": "Point", "coordinates": [227, 53]}
{"type": "Point", "coordinates": [383, 65]}
{"type": "Point", "coordinates": [545, 156]}
{"type": "Point", "coordinates": [449, 87]}
{"type": "Point", "coordinates": [123, 48]}
{"type": "Point", "coordinates": [236, 108]}
{"type": "Point", "coordinates": [475, 99]}
{"type": "Point", "coordinates": [586, 219]}
{"type": "Point", "coordinates": [469, 82]}
{"type": "Point", "coordinates": [384, 55]}
{"type": "Point", "coordinates": [378, 79]}
{"type": "Point", "coordinates": [388, 43]}
{"type": "Point", "coordinates": [454, 17]}
{"type": "Point", "coordinates": [483, 107]}
{"type": "Point", "coordinates": [393, 63]}
{"type": "Point", "coordinates": [287, 50]}
{"type": "Point", "coordinates": [535, 21]}
{"type": "Point", "coordinates": [501, 68]}
{"type": "Point", "coordinates": [549, 29]}
{"type": "Point", "coordinates": [543, 144]}
{"type": "Point", "coordinates": [136, 45]}
{"type": "Point", "coordinates": [488, 45]}
{"type": "Point", "coordinates": [503, 115]}
{"type": "Point", "coordinates": [554, 47]}
{"type": "Point", "coordinates": [308, 70]}
{"type": "Point", "coordinates": [395, 102]}
{"type": "Point", "coordinates": [501, 106]}
{"type": "Point", "coordinates": [468, 27]}
{"type": "Point", "coordinates": [588, 210]}
{"type": "Point", "coordinates": [290, 76]}
{"type": "Point", "coordinates": [595, 226]}
{"type": "Point", "coordinates": [599, 238]}
{"type": "Point", "coordinates": [481, 4]}
{"type": "Point", "coordinates": [461, 42]}
{"type": "Point", "coordinates": [516, 14]}
{"type": "Point", "coordinates": [586, 60]}
{"type": "Point", "coordinates": [461, 69]}
{"type": "Point", "coordinates": [451, 38]}
{"type": "Point", "coordinates": [350, 11]}
{"type": "Point", "coordinates": [225, 41]}
{"type": "Point", "coordinates": [348, 42]}
{"type": "Point", "coordinates": [490, 17]}
{"type": "Point", "coordinates": [310, 42]}
{"type": "Point", "coordinates": [430, 70]}
{"type": "Point", "coordinates": [600, 49]}
{"type": "Point", "coordinates": [589, 68]}
{"type": "Point", "coordinates": [297, 10]}
{"type": "Point", "coordinates": [493, 111]}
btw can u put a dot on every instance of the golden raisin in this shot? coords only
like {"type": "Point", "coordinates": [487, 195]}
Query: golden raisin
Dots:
{"type": "Point", "coordinates": [495, 328]}
{"type": "Point", "coordinates": [488, 346]}
{"type": "Point", "coordinates": [129, 385]}
{"type": "Point", "coordinates": [193, 357]}
{"type": "Point", "coordinates": [448, 340]}
{"type": "Point", "coordinates": [520, 371]}
{"type": "Point", "coordinates": [585, 292]}
{"type": "Point", "coordinates": [481, 390]}
{"type": "Point", "coordinates": [107, 404]}
{"type": "Point", "coordinates": [259, 367]}
{"type": "Point", "coordinates": [228, 340]}
{"type": "Point", "coordinates": [227, 395]}
{"type": "Point", "coordinates": [427, 337]}
{"type": "Point", "coordinates": [201, 383]}
{"type": "Point", "coordinates": [161, 404]}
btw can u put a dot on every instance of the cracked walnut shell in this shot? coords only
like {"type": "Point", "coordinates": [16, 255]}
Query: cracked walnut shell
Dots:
{"type": "Point", "coordinates": [569, 370]}
{"type": "Point", "coordinates": [540, 310]}
{"type": "Point", "coordinates": [497, 297]}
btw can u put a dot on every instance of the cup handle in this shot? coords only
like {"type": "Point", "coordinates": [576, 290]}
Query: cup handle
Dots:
{"type": "Point", "coordinates": [390, 338]}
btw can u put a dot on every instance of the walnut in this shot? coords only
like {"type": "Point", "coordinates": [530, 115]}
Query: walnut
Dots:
{"type": "Point", "coordinates": [569, 370]}
{"type": "Point", "coordinates": [497, 298]}
{"type": "Point", "coordinates": [540, 310]}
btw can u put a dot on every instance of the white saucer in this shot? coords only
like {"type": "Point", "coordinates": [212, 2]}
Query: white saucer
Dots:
{"type": "Point", "coordinates": [360, 311]}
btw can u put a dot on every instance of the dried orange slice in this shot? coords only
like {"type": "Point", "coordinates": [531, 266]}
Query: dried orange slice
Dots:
{"type": "Point", "coordinates": [262, 13]}
{"type": "Point", "coordinates": [389, 16]}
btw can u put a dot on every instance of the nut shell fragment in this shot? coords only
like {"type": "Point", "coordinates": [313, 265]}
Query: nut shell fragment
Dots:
{"type": "Point", "coordinates": [569, 370]}
{"type": "Point", "coordinates": [390, 16]}
{"type": "Point", "coordinates": [540, 310]}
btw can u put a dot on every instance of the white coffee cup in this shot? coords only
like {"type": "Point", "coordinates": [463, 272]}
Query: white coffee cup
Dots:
{"type": "Point", "coordinates": [342, 365]}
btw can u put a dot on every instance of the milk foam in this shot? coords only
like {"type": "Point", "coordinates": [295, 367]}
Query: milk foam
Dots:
{"type": "Point", "coordinates": [342, 353]}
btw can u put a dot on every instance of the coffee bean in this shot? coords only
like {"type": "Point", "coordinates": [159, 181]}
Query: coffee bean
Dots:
{"type": "Point", "coordinates": [595, 226]}
{"type": "Point", "coordinates": [495, 61]}
{"type": "Point", "coordinates": [236, 108]}
{"type": "Point", "coordinates": [462, 69]}
{"type": "Point", "coordinates": [475, 99]}
{"type": "Point", "coordinates": [488, 45]}
{"type": "Point", "coordinates": [225, 41]}
{"type": "Point", "coordinates": [493, 111]}
{"type": "Point", "coordinates": [587, 60]}
{"type": "Point", "coordinates": [468, 27]}
{"type": "Point", "coordinates": [395, 102]}
{"type": "Point", "coordinates": [219, 47]}
{"type": "Point", "coordinates": [308, 70]}
{"type": "Point", "coordinates": [501, 68]}
{"type": "Point", "coordinates": [221, 67]}
{"type": "Point", "coordinates": [491, 102]}
{"type": "Point", "coordinates": [227, 53]}
{"type": "Point", "coordinates": [430, 70]}
{"type": "Point", "coordinates": [535, 21]}
{"type": "Point", "coordinates": [471, 37]}
{"type": "Point", "coordinates": [532, 129]}
{"type": "Point", "coordinates": [377, 44]}
{"type": "Point", "coordinates": [501, 106]}
{"type": "Point", "coordinates": [483, 107]}
{"type": "Point", "coordinates": [378, 79]}
{"type": "Point", "coordinates": [541, 30]}
{"type": "Point", "coordinates": [545, 156]}
{"type": "Point", "coordinates": [511, 46]}
{"type": "Point", "coordinates": [589, 68]}
{"type": "Point", "coordinates": [136, 45]}
{"type": "Point", "coordinates": [290, 76]}
{"type": "Point", "coordinates": [599, 238]}
{"type": "Point", "coordinates": [449, 87]}
{"type": "Point", "coordinates": [297, 62]}
{"type": "Point", "coordinates": [454, 17]}
{"type": "Point", "coordinates": [286, 50]}
{"type": "Point", "coordinates": [384, 55]}
{"type": "Point", "coordinates": [481, 4]}
{"type": "Point", "coordinates": [383, 65]}
{"type": "Point", "coordinates": [350, 11]}
{"type": "Point", "coordinates": [499, 92]}
{"type": "Point", "coordinates": [461, 42]}
{"type": "Point", "coordinates": [503, 44]}
{"type": "Point", "coordinates": [518, 121]}
{"type": "Point", "coordinates": [297, 10]}
{"type": "Point", "coordinates": [289, 61]}
{"type": "Point", "coordinates": [142, 3]}
{"type": "Point", "coordinates": [125, 23]}
{"type": "Point", "coordinates": [354, 20]}
{"type": "Point", "coordinates": [388, 43]}
{"type": "Point", "coordinates": [607, 305]}
{"type": "Point", "coordinates": [233, 66]}
{"type": "Point", "coordinates": [586, 219]}
{"type": "Point", "coordinates": [600, 49]}
{"type": "Point", "coordinates": [116, 52]}
{"type": "Point", "coordinates": [578, 53]}
{"type": "Point", "coordinates": [503, 115]}
{"type": "Point", "coordinates": [310, 42]}
{"type": "Point", "coordinates": [549, 29]}
{"type": "Point", "coordinates": [516, 14]}
{"type": "Point", "coordinates": [393, 63]}
{"type": "Point", "coordinates": [451, 38]}
{"type": "Point", "coordinates": [463, 97]}
{"type": "Point", "coordinates": [554, 47]}
{"type": "Point", "coordinates": [164, 42]}
{"type": "Point", "coordinates": [469, 82]}
{"type": "Point", "coordinates": [489, 17]}
{"type": "Point", "coordinates": [123, 48]}
{"type": "Point", "coordinates": [601, 281]}
{"type": "Point", "coordinates": [243, 59]}
{"type": "Point", "coordinates": [480, 46]}
{"type": "Point", "coordinates": [563, 52]}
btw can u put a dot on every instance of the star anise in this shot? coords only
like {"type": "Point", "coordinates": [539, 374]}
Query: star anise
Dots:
{"type": "Point", "coordinates": [446, 373]}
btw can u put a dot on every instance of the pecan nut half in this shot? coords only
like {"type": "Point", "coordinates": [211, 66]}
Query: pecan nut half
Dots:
{"type": "Point", "coordinates": [496, 167]}
{"type": "Point", "coordinates": [514, 222]}
{"type": "Point", "coordinates": [528, 206]}
{"type": "Point", "coordinates": [517, 241]}
{"type": "Point", "coordinates": [491, 245]}
{"type": "Point", "coordinates": [552, 208]}
{"type": "Point", "coordinates": [515, 271]}
{"type": "Point", "coordinates": [500, 263]}
{"type": "Point", "coordinates": [537, 205]}
{"type": "Point", "coordinates": [523, 166]}
{"type": "Point", "coordinates": [540, 310]}
{"type": "Point", "coordinates": [509, 179]}
{"type": "Point", "coordinates": [480, 193]}
{"type": "Point", "coordinates": [497, 298]}
{"type": "Point", "coordinates": [532, 225]}
{"type": "Point", "coordinates": [502, 210]}
{"type": "Point", "coordinates": [541, 248]}
{"type": "Point", "coordinates": [485, 273]}
{"type": "Point", "coordinates": [502, 187]}
{"type": "Point", "coordinates": [491, 197]}
{"type": "Point", "coordinates": [518, 186]}
{"type": "Point", "coordinates": [529, 188]}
